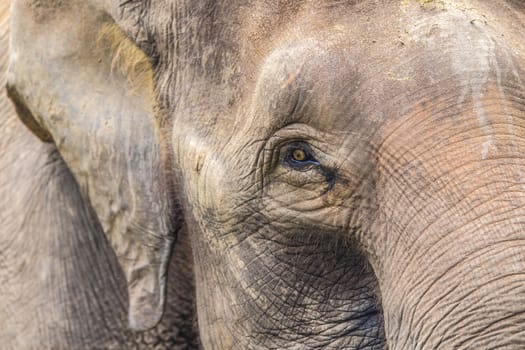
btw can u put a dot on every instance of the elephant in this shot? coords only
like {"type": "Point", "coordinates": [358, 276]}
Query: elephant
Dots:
{"type": "Point", "coordinates": [340, 174]}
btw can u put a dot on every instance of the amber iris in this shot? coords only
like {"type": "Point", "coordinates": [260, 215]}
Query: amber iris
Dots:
{"type": "Point", "coordinates": [299, 155]}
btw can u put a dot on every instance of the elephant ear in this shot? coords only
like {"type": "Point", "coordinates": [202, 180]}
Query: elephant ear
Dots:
{"type": "Point", "coordinates": [79, 82]}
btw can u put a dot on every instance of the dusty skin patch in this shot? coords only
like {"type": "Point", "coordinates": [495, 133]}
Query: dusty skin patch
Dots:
{"type": "Point", "coordinates": [4, 12]}
{"type": "Point", "coordinates": [126, 58]}
{"type": "Point", "coordinates": [396, 77]}
{"type": "Point", "coordinates": [423, 2]}
{"type": "Point", "coordinates": [44, 10]}
{"type": "Point", "coordinates": [428, 4]}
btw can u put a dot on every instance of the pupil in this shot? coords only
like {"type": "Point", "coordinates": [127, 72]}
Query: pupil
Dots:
{"type": "Point", "coordinates": [299, 155]}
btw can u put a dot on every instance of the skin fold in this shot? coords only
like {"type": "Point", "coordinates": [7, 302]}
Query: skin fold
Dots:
{"type": "Point", "coordinates": [344, 174]}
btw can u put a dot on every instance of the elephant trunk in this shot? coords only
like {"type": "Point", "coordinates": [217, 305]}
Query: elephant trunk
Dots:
{"type": "Point", "coordinates": [460, 293]}
{"type": "Point", "coordinates": [451, 257]}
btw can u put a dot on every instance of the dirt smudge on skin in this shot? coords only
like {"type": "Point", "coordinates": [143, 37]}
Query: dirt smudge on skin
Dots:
{"type": "Point", "coordinates": [4, 14]}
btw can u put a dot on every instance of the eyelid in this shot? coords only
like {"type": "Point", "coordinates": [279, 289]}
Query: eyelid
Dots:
{"type": "Point", "coordinates": [292, 133]}
{"type": "Point", "coordinates": [270, 154]}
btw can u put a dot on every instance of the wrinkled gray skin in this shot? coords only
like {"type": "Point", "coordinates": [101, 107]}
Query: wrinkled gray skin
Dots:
{"type": "Point", "coordinates": [402, 228]}
{"type": "Point", "coordinates": [61, 286]}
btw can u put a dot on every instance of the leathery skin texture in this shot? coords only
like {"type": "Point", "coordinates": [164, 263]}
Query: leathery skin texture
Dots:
{"type": "Point", "coordinates": [335, 174]}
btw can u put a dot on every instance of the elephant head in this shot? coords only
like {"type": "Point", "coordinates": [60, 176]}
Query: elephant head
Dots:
{"type": "Point", "coordinates": [350, 172]}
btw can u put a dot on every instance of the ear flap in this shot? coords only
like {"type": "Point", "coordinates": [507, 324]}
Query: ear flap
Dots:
{"type": "Point", "coordinates": [78, 81]}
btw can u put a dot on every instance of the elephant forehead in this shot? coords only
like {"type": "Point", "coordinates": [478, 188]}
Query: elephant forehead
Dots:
{"type": "Point", "coordinates": [352, 68]}
{"type": "Point", "coordinates": [310, 81]}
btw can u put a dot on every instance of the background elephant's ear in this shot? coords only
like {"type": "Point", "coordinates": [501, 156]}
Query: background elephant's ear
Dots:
{"type": "Point", "coordinates": [79, 82]}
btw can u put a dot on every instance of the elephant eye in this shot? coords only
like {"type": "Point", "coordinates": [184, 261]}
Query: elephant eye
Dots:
{"type": "Point", "coordinates": [299, 156]}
